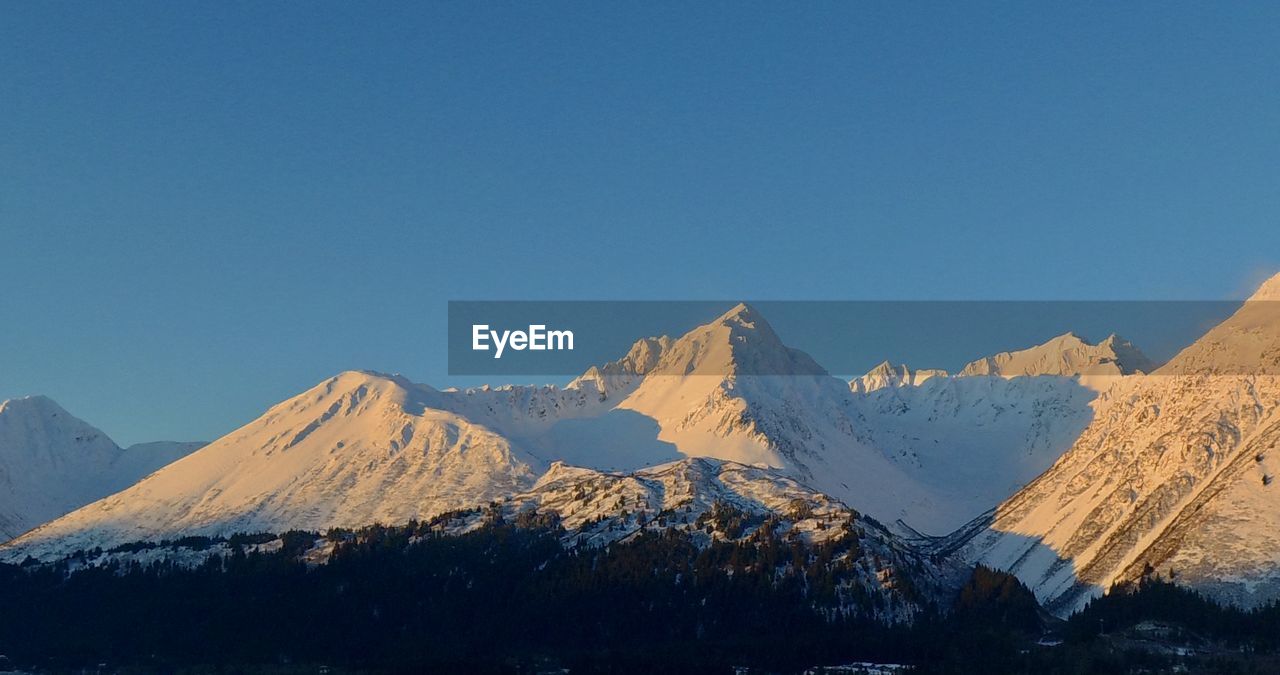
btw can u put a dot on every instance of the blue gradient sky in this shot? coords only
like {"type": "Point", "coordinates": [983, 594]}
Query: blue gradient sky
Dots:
{"type": "Point", "coordinates": [207, 207]}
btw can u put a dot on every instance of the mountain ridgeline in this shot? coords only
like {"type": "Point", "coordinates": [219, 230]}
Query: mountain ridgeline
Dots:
{"type": "Point", "coordinates": [1072, 465]}
{"type": "Point", "coordinates": [365, 447]}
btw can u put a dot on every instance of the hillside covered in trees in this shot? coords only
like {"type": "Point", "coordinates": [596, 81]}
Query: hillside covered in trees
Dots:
{"type": "Point", "coordinates": [509, 597]}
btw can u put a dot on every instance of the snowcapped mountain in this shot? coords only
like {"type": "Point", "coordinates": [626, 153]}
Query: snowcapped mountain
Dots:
{"type": "Point", "coordinates": [599, 507]}
{"type": "Point", "coordinates": [51, 463]}
{"type": "Point", "coordinates": [888, 375]}
{"type": "Point", "coordinates": [975, 438]}
{"type": "Point", "coordinates": [709, 499]}
{"type": "Point", "coordinates": [356, 449]}
{"type": "Point", "coordinates": [729, 389]}
{"type": "Point", "coordinates": [732, 390]}
{"type": "Point", "coordinates": [1175, 474]}
{"type": "Point", "coordinates": [1067, 355]}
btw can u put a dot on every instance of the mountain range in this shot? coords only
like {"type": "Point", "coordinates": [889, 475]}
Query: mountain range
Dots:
{"type": "Point", "coordinates": [1072, 464]}
{"type": "Point", "coordinates": [367, 447]}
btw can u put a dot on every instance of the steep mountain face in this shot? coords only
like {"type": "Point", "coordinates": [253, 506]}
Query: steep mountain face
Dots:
{"type": "Point", "coordinates": [1175, 473]}
{"type": "Point", "coordinates": [1066, 355]}
{"type": "Point", "coordinates": [51, 463]}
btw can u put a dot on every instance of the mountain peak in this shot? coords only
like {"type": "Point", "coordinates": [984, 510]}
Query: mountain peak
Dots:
{"type": "Point", "coordinates": [622, 375]}
{"type": "Point", "coordinates": [739, 342]}
{"type": "Point", "coordinates": [32, 420]}
{"type": "Point", "coordinates": [35, 403]}
{"type": "Point", "coordinates": [360, 447]}
{"type": "Point", "coordinates": [887, 374]}
{"type": "Point", "coordinates": [1071, 337]}
{"type": "Point", "coordinates": [742, 314]}
{"type": "Point", "coordinates": [1066, 355]}
{"type": "Point", "coordinates": [746, 323]}
{"type": "Point", "coordinates": [357, 388]}
{"type": "Point", "coordinates": [368, 376]}
{"type": "Point", "coordinates": [641, 358]}
{"type": "Point", "coordinates": [62, 461]}
{"type": "Point", "coordinates": [886, 367]}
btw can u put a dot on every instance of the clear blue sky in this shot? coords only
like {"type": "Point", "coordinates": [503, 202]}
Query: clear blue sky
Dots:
{"type": "Point", "coordinates": [208, 207]}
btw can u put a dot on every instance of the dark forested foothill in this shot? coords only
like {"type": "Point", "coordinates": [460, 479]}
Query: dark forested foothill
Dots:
{"type": "Point", "coordinates": [509, 597]}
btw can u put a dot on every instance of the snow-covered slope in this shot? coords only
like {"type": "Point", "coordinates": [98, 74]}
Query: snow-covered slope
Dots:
{"type": "Point", "coordinates": [581, 423]}
{"type": "Point", "coordinates": [1176, 472]}
{"type": "Point", "coordinates": [975, 438]}
{"type": "Point", "coordinates": [359, 448]}
{"type": "Point", "coordinates": [140, 459]}
{"type": "Point", "coordinates": [732, 390]}
{"type": "Point", "coordinates": [690, 496]}
{"type": "Point", "coordinates": [599, 507]}
{"type": "Point", "coordinates": [873, 571]}
{"type": "Point", "coordinates": [973, 441]}
{"type": "Point", "coordinates": [51, 463]}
